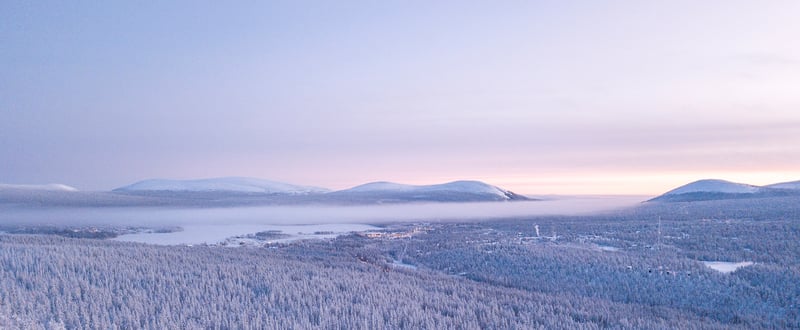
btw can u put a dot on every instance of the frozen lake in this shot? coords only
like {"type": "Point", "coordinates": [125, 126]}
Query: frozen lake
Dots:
{"type": "Point", "coordinates": [214, 234]}
{"type": "Point", "coordinates": [213, 225]}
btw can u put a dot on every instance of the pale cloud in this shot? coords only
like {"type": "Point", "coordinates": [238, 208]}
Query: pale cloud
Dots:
{"type": "Point", "coordinates": [335, 94]}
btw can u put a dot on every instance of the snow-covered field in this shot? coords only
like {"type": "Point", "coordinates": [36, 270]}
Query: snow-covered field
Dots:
{"type": "Point", "coordinates": [726, 267]}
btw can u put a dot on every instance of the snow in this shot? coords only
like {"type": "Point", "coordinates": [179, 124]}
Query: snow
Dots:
{"type": "Point", "coordinates": [400, 263]}
{"type": "Point", "coordinates": [313, 214]}
{"type": "Point", "coordinates": [215, 234]}
{"type": "Point", "coordinates": [794, 185]}
{"type": "Point", "coordinates": [607, 248]}
{"type": "Point", "coordinates": [586, 246]}
{"type": "Point", "coordinates": [718, 186]}
{"type": "Point", "coordinates": [469, 186]}
{"type": "Point", "coordinates": [46, 187]}
{"type": "Point", "coordinates": [214, 225]}
{"type": "Point", "coordinates": [726, 267]}
{"type": "Point", "coordinates": [236, 184]}
{"type": "Point", "coordinates": [383, 186]}
{"type": "Point", "coordinates": [475, 187]}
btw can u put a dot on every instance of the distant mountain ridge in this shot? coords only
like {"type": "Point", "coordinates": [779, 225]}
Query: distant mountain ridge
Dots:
{"type": "Point", "coordinates": [232, 191]}
{"type": "Point", "coordinates": [375, 191]}
{"type": "Point", "coordinates": [715, 185]}
{"type": "Point", "coordinates": [226, 184]}
{"type": "Point", "coordinates": [451, 191]}
{"type": "Point", "coordinates": [794, 185]}
{"type": "Point", "coordinates": [462, 186]}
{"type": "Point", "coordinates": [43, 187]}
{"type": "Point", "coordinates": [715, 189]}
{"type": "Point", "coordinates": [241, 191]}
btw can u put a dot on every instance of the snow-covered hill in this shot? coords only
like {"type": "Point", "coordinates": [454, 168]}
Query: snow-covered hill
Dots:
{"type": "Point", "coordinates": [229, 184]}
{"type": "Point", "coordinates": [42, 187]}
{"type": "Point", "coordinates": [240, 191]}
{"type": "Point", "coordinates": [715, 186]}
{"type": "Point", "coordinates": [383, 186]}
{"type": "Point", "coordinates": [452, 191]}
{"type": "Point", "coordinates": [473, 187]}
{"type": "Point", "coordinates": [59, 195]}
{"type": "Point", "coordinates": [712, 189]}
{"type": "Point", "coordinates": [794, 185]}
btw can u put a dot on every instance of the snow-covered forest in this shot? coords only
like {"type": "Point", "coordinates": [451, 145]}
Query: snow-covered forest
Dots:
{"type": "Point", "coordinates": [638, 268]}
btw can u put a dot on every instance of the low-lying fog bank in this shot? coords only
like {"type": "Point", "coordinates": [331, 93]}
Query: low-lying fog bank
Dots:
{"type": "Point", "coordinates": [200, 225]}
{"type": "Point", "coordinates": [236, 234]}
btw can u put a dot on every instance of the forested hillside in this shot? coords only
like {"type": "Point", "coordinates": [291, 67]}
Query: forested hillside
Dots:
{"type": "Point", "coordinates": [651, 267]}
{"type": "Point", "coordinates": [51, 282]}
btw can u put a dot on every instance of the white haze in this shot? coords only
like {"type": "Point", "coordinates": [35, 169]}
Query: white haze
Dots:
{"type": "Point", "coordinates": [214, 224]}
{"type": "Point", "coordinates": [199, 234]}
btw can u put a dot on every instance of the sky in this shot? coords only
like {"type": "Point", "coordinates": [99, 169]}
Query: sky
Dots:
{"type": "Point", "coordinates": [539, 97]}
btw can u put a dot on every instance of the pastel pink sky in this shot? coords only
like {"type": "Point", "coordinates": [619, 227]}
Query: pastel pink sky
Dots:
{"type": "Point", "coordinates": [561, 97]}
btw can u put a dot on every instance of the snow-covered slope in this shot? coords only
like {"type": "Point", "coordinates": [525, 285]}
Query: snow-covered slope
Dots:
{"type": "Point", "coordinates": [715, 186]}
{"type": "Point", "coordinates": [240, 191]}
{"type": "Point", "coordinates": [42, 187]}
{"type": "Point", "coordinates": [472, 187]}
{"type": "Point", "coordinates": [381, 186]}
{"type": "Point", "coordinates": [59, 195]}
{"type": "Point", "coordinates": [794, 185]}
{"type": "Point", "coordinates": [452, 191]}
{"type": "Point", "coordinates": [721, 189]}
{"type": "Point", "coordinates": [230, 184]}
